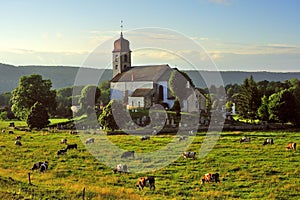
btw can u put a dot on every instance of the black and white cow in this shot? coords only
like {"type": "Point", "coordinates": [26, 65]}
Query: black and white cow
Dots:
{"type": "Point", "coordinates": [64, 141]}
{"type": "Point", "coordinates": [38, 165]}
{"type": "Point", "coordinates": [145, 137]}
{"type": "Point", "coordinates": [61, 152]}
{"type": "Point", "coordinates": [121, 168]}
{"type": "Point", "coordinates": [128, 154]}
{"type": "Point", "coordinates": [44, 167]}
{"type": "Point", "coordinates": [89, 140]}
{"type": "Point", "coordinates": [18, 143]}
{"type": "Point", "coordinates": [182, 137]}
{"type": "Point", "coordinates": [268, 141]}
{"type": "Point", "coordinates": [189, 154]}
{"type": "Point", "coordinates": [244, 139]}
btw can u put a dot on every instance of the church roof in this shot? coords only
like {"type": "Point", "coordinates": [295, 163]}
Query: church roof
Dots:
{"type": "Point", "coordinates": [121, 45]}
{"type": "Point", "coordinates": [141, 92]}
{"type": "Point", "coordinates": [144, 73]}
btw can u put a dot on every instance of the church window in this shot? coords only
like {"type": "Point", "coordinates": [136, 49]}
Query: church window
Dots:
{"type": "Point", "coordinates": [125, 58]}
{"type": "Point", "coordinates": [116, 67]}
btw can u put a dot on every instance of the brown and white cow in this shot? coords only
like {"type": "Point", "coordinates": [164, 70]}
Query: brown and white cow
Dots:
{"type": "Point", "coordinates": [146, 182]}
{"type": "Point", "coordinates": [291, 145]}
{"type": "Point", "coordinates": [211, 178]}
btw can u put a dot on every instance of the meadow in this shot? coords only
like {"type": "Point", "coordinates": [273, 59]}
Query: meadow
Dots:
{"type": "Point", "coordinates": [247, 170]}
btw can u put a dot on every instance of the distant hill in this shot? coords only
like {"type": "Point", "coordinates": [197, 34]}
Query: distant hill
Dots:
{"type": "Point", "coordinates": [64, 76]}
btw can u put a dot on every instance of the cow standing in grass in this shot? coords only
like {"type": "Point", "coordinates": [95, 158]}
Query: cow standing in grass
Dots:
{"type": "Point", "coordinates": [268, 141]}
{"type": "Point", "coordinates": [121, 168]}
{"type": "Point", "coordinates": [71, 146]}
{"type": "Point", "coordinates": [291, 145]}
{"type": "Point", "coordinates": [61, 152]}
{"type": "Point", "coordinates": [189, 154]}
{"type": "Point", "coordinates": [211, 178]}
{"type": "Point", "coordinates": [146, 182]}
{"type": "Point", "coordinates": [244, 139]}
{"type": "Point", "coordinates": [145, 137]}
{"type": "Point", "coordinates": [128, 154]}
{"type": "Point", "coordinates": [64, 141]}
{"type": "Point", "coordinates": [90, 141]}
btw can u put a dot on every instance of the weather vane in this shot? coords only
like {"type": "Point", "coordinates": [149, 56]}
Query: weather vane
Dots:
{"type": "Point", "coordinates": [121, 26]}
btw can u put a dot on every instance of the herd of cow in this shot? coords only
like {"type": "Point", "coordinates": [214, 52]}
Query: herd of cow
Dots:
{"type": "Point", "coordinates": [122, 168]}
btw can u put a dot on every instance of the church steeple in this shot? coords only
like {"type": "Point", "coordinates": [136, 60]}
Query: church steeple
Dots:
{"type": "Point", "coordinates": [121, 54]}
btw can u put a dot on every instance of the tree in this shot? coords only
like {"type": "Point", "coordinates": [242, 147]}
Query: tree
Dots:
{"type": "Point", "coordinates": [38, 116]}
{"type": "Point", "coordinates": [263, 112]}
{"type": "Point", "coordinates": [64, 102]}
{"type": "Point", "coordinates": [106, 118]}
{"type": "Point", "coordinates": [32, 89]}
{"type": "Point", "coordinates": [282, 107]}
{"type": "Point", "coordinates": [105, 92]}
{"type": "Point", "coordinates": [248, 100]}
{"type": "Point", "coordinates": [89, 99]}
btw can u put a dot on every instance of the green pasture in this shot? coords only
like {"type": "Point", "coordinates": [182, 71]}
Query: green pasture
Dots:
{"type": "Point", "coordinates": [247, 170]}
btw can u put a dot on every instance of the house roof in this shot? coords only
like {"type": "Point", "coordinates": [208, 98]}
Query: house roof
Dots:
{"type": "Point", "coordinates": [144, 73]}
{"type": "Point", "coordinates": [141, 92]}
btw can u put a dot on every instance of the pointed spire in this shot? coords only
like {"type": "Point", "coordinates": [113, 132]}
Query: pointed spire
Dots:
{"type": "Point", "coordinates": [121, 26]}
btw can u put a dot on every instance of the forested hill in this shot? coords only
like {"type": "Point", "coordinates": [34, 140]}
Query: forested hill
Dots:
{"type": "Point", "coordinates": [63, 76]}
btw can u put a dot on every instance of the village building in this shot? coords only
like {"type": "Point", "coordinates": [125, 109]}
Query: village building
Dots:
{"type": "Point", "coordinates": [140, 87]}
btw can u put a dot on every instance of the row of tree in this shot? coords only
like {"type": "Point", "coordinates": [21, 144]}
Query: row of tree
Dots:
{"type": "Point", "coordinates": [34, 101]}
{"type": "Point", "coordinates": [266, 101]}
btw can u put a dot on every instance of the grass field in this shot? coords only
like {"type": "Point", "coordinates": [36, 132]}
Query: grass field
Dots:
{"type": "Point", "coordinates": [247, 170]}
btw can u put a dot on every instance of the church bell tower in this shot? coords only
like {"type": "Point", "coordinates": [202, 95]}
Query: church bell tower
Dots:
{"type": "Point", "coordinates": [121, 60]}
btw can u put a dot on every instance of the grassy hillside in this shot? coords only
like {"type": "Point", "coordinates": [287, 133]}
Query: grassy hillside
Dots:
{"type": "Point", "coordinates": [64, 76]}
{"type": "Point", "coordinates": [247, 171]}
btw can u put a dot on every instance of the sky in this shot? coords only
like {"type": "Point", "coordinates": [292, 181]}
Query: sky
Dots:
{"type": "Point", "coordinates": [237, 35]}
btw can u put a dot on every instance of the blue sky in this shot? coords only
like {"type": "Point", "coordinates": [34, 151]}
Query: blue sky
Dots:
{"type": "Point", "coordinates": [237, 34]}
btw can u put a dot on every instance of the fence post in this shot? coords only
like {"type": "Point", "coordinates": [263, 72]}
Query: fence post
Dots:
{"type": "Point", "coordinates": [29, 181]}
{"type": "Point", "coordinates": [83, 193]}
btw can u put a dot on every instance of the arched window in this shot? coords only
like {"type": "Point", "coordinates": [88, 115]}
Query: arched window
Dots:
{"type": "Point", "coordinates": [125, 58]}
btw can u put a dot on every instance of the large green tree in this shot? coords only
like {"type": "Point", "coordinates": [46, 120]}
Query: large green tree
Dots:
{"type": "Point", "coordinates": [105, 92]}
{"type": "Point", "coordinates": [38, 116]}
{"type": "Point", "coordinates": [282, 107]}
{"type": "Point", "coordinates": [106, 118]}
{"type": "Point", "coordinates": [89, 99]}
{"type": "Point", "coordinates": [248, 100]}
{"type": "Point", "coordinates": [32, 89]}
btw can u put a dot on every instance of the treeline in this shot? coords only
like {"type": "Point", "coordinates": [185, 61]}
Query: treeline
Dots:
{"type": "Point", "coordinates": [33, 95]}
{"type": "Point", "coordinates": [266, 101]}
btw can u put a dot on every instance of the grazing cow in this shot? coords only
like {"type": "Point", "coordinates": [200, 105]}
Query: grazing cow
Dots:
{"type": "Point", "coordinates": [181, 138]}
{"type": "Point", "coordinates": [90, 140]}
{"type": "Point", "coordinates": [71, 146]}
{"type": "Point", "coordinates": [211, 178]}
{"type": "Point", "coordinates": [121, 168]}
{"type": "Point", "coordinates": [189, 154]}
{"type": "Point", "coordinates": [18, 137]}
{"type": "Point", "coordinates": [10, 132]}
{"type": "Point", "coordinates": [63, 141]}
{"type": "Point", "coordinates": [146, 182]}
{"type": "Point", "coordinates": [244, 139]}
{"type": "Point", "coordinates": [73, 132]}
{"type": "Point", "coordinates": [291, 145]}
{"type": "Point", "coordinates": [268, 141]}
{"type": "Point", "coordinates": [3, 131]}
{"type": "Point", "coordinates": [128, 154]}
{"type": "Point", "coordinates": [36, 166]}
{"type": "Point", "coordinates": [62, 152]}
{"type": "Point", "coordinates": [145, 137]}
{"type": "Point", "coordinates": [43, 167]}
{"type": "Point", "coordinates": [18, 143]}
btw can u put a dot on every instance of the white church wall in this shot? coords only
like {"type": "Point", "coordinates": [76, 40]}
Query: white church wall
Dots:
{"type": "Point", "coordinates": [135, 102]}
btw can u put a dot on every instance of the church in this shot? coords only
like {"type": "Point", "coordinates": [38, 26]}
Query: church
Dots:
{"type": "Point", "coordinates": [140, 87]}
